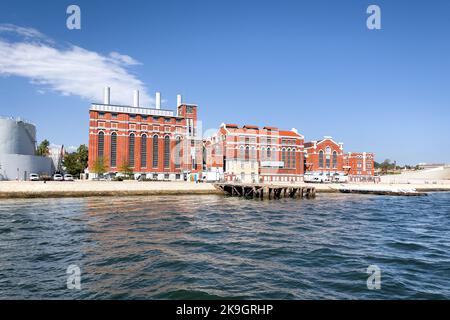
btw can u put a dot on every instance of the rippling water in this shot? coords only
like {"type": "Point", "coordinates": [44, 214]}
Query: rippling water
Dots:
{"type": "Point", "coordinates": [194, 247]}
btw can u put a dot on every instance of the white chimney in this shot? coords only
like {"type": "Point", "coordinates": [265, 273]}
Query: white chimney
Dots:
{"type": "Point", "coordinates": [106, 96]}
{"type": "Point", "coordinates": [158, 100]}
{"type": "Point", "coordinates": [178, 100]}
{"type": "Point", "coordinates": [136, 99]}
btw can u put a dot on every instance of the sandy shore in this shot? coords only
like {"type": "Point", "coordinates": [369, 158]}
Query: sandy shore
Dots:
{"type": "Point", "coordinates": [55, 189]}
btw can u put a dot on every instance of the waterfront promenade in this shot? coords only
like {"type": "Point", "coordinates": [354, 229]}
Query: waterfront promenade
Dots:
{"type": "Point", "coordinates": [55, 189]}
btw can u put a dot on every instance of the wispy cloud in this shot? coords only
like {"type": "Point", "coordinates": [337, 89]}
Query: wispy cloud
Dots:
{"type": "Point", "coordinates": [71, 71]}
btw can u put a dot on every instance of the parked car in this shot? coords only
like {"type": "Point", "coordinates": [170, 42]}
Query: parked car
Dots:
{"type": "Point", "coordinates": [308, 177]}
{"type": "Point", "coordinates": [321, 178]}
{"type": "Point", "coordinates": [340, 178]}
{"type": "Point", "coordinates": [57, 177]}
{"type": "Point", "coordinates": [68, 177]}
{"type": "Point", "coordinates": [34, 177]}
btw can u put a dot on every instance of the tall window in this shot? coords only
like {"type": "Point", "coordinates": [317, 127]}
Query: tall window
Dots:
{"type": "Point", "coordinates": [320, 159]}
{"type": "Point", "coordinates": [247, 153]}
{"type": "Point", "coordinates": [113, 149]}
{"type": "Point", "coordinates": [334, 159]}
{"type": "Point", "coordinates": [241, 153]}
{"type": "Point", "coordinates": [268, 153]}
{"type": "Point", "coordinates": [101, 144]}
{"type": "Point", "coordinates": [144, 151]}
{"type": "Point", "coordinates": [167, 152]}
{"type": "Point", "coordinates": [155, 151]}
{"type": "Point", "coordinates": [294, 161]}
{"type": "Point", "coordinates": [178, 153]}
{"type": "Point", "coordinates": [253, 153]}
{"type": "Point", "coordinates": [283, 157]}
{"type": "Point", "coordinates": [131, 141]}
{"type": "Point", "coordinates": [289, 158]}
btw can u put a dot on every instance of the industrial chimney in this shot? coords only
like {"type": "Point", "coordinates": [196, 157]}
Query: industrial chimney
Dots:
{"type": "Point", "coordinates": [179, 100]}
{"type": "Point", "coordinates": [106, 96]}
{"type": "Point", "coordinates": [158, 100]}
{"type": "Point", "coordinates": [136, 99]}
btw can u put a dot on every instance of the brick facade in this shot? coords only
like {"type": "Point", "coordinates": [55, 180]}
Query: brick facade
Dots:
{"type": "Point", "coordinates": [165, 145]}
{"type": "Point", "coordinates": [254, 154]}
{"type": "Point", "coordinates": [360, 164]}
{"type": "Point", "coordinates": [325, 156]}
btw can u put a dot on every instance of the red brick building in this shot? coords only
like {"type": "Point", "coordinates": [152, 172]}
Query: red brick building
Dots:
{"type": "Point", "coordinates": [324, 156]}
{"type": "Point", "coordinates": [254, 154]}
{"type": "Point", "coordinates": [359, 166]}
{"type": "Point", "coordinates": [152, 141]}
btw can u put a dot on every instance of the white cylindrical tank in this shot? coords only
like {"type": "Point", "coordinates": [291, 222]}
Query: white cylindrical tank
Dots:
{"type": "Point", "coordinates": [17, 137]}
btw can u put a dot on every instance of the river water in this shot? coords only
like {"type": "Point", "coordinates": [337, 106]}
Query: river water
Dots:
{"type": "Point", "coordinates": [201, 247]}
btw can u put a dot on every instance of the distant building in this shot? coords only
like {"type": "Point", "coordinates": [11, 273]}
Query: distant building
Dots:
{"type": "Point", "coordinates": [255, 154]}
{"type": "Point", "coordinates": [360, 166]}
{"type": "Point", "coordinates": [57, 153]}
{"type": "Point", "coordinates": [324, 156]}
{"type": "Point", "coordinates": [17, 151]}
{"type": "Point", "coordinates": [154, 142]}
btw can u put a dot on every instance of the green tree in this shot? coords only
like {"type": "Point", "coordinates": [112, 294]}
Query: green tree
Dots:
{"type": "Point", "coordinates": [75, 162]}
{"type": "Point", "coordinates": [99, 166]}
{"type": "Point", "coordinates": [126, 169]}
{"type": "Point", "coordinates": [42, 149]}
{"type": "Point", "coordinates": [82, 153]}
{"type": "Point", "coordinates": [70, 163]}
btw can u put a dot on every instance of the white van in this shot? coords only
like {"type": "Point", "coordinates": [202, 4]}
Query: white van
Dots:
{"type": "Point", "coordinates": [34, 177]}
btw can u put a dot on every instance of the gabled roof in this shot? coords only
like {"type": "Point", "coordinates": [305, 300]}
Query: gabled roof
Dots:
{"type": "Point", "coordinates": [290, 134]}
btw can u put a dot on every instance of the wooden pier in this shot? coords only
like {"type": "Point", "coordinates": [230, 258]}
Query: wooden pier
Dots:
{"type": "Point", "coordinates": [266, 191]}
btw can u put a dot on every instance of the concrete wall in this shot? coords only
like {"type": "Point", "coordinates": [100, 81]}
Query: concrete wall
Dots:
{"type": "Point", "coordinates": [9, 163]}
{"type": "Point", "coordinates": [17, 137]}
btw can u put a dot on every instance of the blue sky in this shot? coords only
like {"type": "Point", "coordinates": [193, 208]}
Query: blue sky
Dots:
{"type": "Point", "coordinates": [312, 65]}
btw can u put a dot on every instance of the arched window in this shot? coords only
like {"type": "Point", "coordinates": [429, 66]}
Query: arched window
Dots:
{"type": "Point", "coordinates": [334, 159]}
{"type": "Point", "coordinates": [283, 157]}
{"type": "Point", "coordinates": [294, 160]}
{"type": "Point", "coordinates": [113, 149]}
{"type": "Point", "coordinates": [247, 153]}
{"type": "Point", "coordinates": [268, 153]}
{"type": "Point", "coordinates": [166, 152]}
{"type": "Point", "coordinates": [131, 141]}
{"type": "Point", "coordinates": [155, 151]}
{"type": "Point", "coordinates": [144, 151]}
{"type": "Point", "coordinates": [241, 153]}
{"type": "Point", "coordinates": [320, 159]}
{"type": "Point", "coordinates": [178, 153]}
{"type": "Point", "coordinates": [253, 153]}
{"type": "Point", "coordinates": [288, 158]}
{"type": "Point", "coordinates": [101, 144]}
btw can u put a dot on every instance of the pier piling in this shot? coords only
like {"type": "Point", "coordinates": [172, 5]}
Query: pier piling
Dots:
{"type": "Point", "coordinates": [264, 191]}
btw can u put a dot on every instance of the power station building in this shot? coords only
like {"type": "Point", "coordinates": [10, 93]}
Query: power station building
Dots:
{"type": "Point", "coordinates": [255, 154]}
{"type": "Point", "coordinates": [153, 142]}
{"type": "Point", "coordinates": [17, 151]}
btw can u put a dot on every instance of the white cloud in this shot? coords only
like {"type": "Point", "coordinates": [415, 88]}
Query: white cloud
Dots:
{"type": "Point", "coordinates": [71, 71]}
